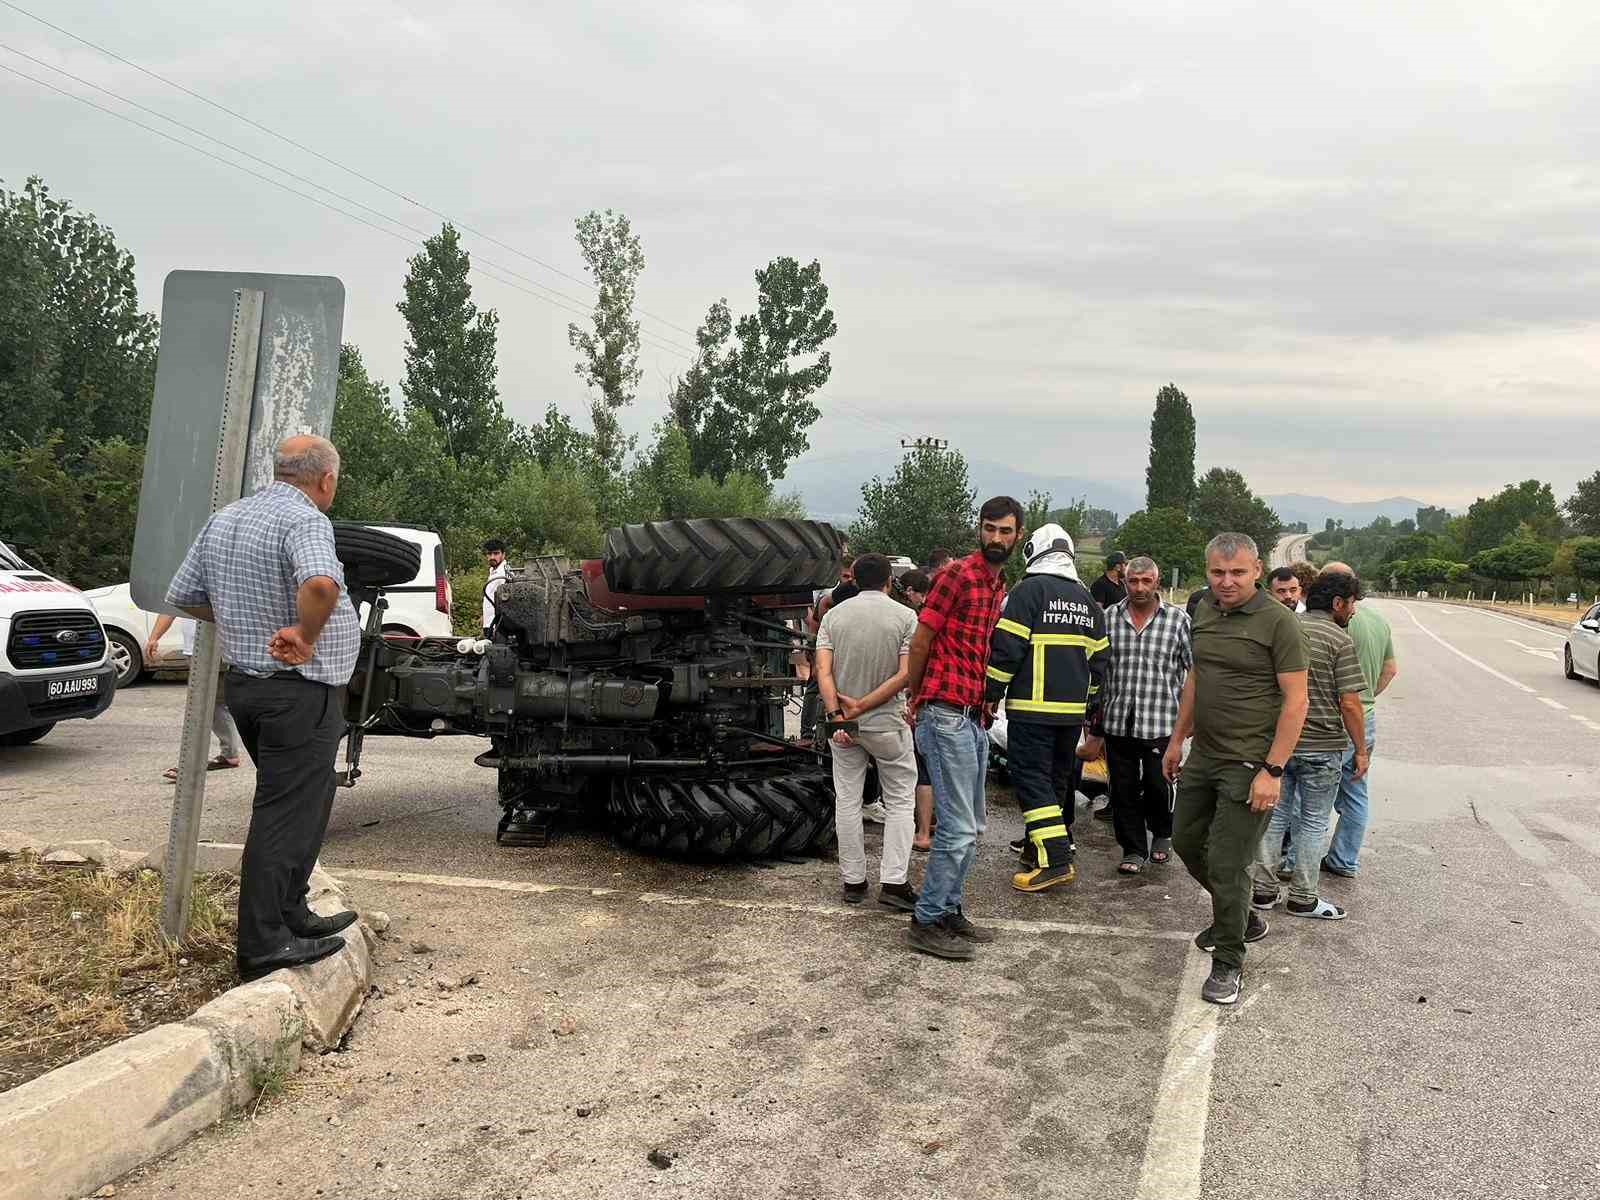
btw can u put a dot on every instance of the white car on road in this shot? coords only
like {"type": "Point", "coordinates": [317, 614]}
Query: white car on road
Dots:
{"type": "Point", "coordinates": [417, 609]}
{"type": "Point", "coordinates": [1582, 654]}
{"type": "Point", "coordinates": [52, 653]}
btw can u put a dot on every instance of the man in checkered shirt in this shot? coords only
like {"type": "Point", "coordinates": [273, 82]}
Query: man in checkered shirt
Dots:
{"type": "Point", "coordinates": [946, 672]}
{"type": "Point", "coordinates": [265, 570]}
{"type": "Point", "coordinates": [1150, 658]}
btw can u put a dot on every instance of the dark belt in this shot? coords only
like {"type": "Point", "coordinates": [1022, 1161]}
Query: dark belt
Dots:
{"type": "Point", "coordinates": [239, 674]}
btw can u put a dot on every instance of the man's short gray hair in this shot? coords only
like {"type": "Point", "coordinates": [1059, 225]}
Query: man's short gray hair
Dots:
{"type": "Point", "coordinates": [1143, 565]}
{"type": "Point", "coordinates": [308, 463]}
{"type": "Point", "coordinates": [1231, 545]}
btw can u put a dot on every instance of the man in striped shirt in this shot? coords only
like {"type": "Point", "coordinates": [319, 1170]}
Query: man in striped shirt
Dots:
{"type": "Point", "coordinates": [1334, 720]}
{"type": "Point", "coordinates": [1149, 660]}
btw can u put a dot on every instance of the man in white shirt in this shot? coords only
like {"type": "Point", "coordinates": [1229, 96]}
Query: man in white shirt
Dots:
{"type": "Point", "coordinates": [494, 553]}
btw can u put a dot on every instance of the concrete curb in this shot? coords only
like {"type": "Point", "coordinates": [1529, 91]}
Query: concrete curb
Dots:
{"type": "Point", "coordinates": [68, 1132]}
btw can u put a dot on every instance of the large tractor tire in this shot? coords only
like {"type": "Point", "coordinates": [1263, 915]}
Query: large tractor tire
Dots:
{"type": "Point", "coordinates": [758, 816]}
{"type": "Point", "coordinates": [373, 558]}
{"type": "Point", "coordinates": [722, 554]}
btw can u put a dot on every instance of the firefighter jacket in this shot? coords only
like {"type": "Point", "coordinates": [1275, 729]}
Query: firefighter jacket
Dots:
{"type": "Point", "coordinates": [1047, 656]}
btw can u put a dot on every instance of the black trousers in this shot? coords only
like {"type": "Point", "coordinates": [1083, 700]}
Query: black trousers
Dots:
{"type": "Point", "coordinates": [1141, 797]}
{"type": "Point", "coordinates": [291, 728]}
{"type": "Point", "coordinates": [1043, 762]}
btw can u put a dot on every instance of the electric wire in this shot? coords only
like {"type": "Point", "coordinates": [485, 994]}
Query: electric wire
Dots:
{"type": "Point", "coordinates": [333, 162]}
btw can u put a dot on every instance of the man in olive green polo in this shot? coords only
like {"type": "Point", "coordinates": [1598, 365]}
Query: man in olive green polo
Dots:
{"type": "Point", "coordinates": [1244, 702]}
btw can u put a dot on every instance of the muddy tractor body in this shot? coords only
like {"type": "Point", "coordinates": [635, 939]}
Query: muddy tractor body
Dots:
{"type": "Point", "coordinates": [647, 690]}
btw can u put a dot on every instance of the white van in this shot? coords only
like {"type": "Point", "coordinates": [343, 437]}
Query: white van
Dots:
{"type": "Point", "coordinates": [417, 609]}
{"type": "Point", "coordinates": [52, 654]}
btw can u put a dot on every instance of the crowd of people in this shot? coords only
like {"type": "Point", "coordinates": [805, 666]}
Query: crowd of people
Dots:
{"type": "Point", "coordinates": [1238, 729]}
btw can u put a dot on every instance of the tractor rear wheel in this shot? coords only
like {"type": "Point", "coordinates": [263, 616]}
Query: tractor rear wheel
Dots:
{"type": "Point", "coordinates": [739, 555]}
{"type": "Point", "coordinates": [754, 816]}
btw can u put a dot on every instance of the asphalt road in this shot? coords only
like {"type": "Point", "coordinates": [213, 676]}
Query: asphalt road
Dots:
{"type": "Point", "coordinates": [1442, 1042]}
{"type": "Point", "coordinates": [1291, 548]}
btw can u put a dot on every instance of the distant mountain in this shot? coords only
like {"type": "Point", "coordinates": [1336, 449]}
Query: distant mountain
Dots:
{"type": "Point", "coordinates": [1315, 510]}
{"type": "Point", "coordinates": [830, 484]}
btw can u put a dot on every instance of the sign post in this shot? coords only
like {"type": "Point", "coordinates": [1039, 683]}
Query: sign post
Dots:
{"type": "Point", "coordinates": [246, 360]}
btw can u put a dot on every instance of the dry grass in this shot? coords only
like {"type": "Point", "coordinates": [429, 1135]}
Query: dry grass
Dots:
{"type": "Point", "coordinates": [83, 963]}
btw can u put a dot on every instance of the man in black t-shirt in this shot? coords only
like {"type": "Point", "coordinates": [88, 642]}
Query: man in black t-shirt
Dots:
{"type": "Point", "coordinates": [1108, 589]}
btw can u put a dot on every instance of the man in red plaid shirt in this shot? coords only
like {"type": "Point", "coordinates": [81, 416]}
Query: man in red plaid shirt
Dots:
{"type": "Point", "coordinates": [949, 655]}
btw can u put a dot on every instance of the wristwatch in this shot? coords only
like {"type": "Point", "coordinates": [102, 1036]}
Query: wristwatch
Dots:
{"type": "Point", "coordinates": [1273, 769]}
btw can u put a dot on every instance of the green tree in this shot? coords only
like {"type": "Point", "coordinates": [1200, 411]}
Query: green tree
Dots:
{"type": "Point", "coordinates": [1494, 520]}
{"type": "Point", "coordinates": [76, 352]}
{"type": "Point", "coordinates": [1224, 503]}
{"type": "Point", "coordinates": [1583, 506]}
{"type": "Point", "coordinates": [1586, 559]}
{"type": "Point", "coordinates": [450, 354]}
{"type": "Point", "coordinates": [1515, 561]}
{"type": "Point", "coordinates": [369, 432]}
{"type": "Point", "coordinates": [745, 403]}
{"type": "Point", "coordinates": [1099, 520]}
{"type": "Point", "coordinates": [1431, 519]}
{"type": "Point", "coordinates": [925, 504]}
{"type": "Point", "coordinates": [1169, 479]}
{"type": "Point", "coordinates": [608, 354]}
{"type": "Point", "coordinates": [1166, 535]}
{"type": "Point", "coordinates": [74, 520]}
{"type": "Point", "coordinates": [557, 441]}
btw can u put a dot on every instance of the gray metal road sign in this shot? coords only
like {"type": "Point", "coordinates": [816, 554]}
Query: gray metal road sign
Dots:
{"type": "Point", "coordinates": [295, 372]}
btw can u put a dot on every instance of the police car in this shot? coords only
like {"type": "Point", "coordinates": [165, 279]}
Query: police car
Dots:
{"type": "Point", "coordinates": [53, 664]}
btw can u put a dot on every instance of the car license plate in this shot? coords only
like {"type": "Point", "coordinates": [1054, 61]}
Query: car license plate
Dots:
{"type": "Point", "coordinates": [59, 689]}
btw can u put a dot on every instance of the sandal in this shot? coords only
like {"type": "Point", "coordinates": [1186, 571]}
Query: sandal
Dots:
{"type": "Point", "coordinates": [1130, 865]}
{"type": "Point", "coordinates": [1161, 851]}
{"type": "Point", "coordinates": [222, 763]}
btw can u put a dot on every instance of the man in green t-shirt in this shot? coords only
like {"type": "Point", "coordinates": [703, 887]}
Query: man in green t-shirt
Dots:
{"type": "Point", "coordinates": [1244, 702]}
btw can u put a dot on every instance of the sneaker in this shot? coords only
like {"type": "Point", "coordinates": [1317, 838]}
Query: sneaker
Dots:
{"type": "Point", "coordinates": [1254, 930]}
{"type": "Point", "coordinates": [957, 923]}
{"type": "Point", "coordinates": [938, 941]}
{"type": "Point", "coordinates": [897, 895]}
{"type": "Point", "coordinates": [1039, 878]}
{"type": "Point", "coordinates": [855, 893]}
{"type": "Point", "coordinates": [1339, 871]}
{"type": "Point", "coordinates": [1320, 910]}
{"type": "Point", "coordinates": [873, 813]}
{"type": "Point", "coordinates": [1265, 900]}
{"type": "Point", "coordinates": [1222, 985]}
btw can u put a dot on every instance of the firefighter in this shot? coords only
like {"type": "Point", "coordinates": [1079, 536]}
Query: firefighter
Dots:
{"type": "Point", "coordinates": [1046, 660]}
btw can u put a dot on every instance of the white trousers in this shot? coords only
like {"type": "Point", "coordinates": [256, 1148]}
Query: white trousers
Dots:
{"type": "Point", "coordinates": [897, 776]}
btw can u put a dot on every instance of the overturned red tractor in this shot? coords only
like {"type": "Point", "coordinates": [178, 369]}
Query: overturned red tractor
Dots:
{"type": "Point", "coordinates": [648, 688]}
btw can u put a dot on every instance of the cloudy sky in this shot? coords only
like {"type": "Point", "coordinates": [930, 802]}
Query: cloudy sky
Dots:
{"type": "Point", "coordinates": [1362, 237]}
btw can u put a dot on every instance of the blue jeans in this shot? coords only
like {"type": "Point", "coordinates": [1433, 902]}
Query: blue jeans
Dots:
{"type": "Point", "coordinates": [1310, 786]}
{"type": "Point", "coordinates": [956, 748]}
{"type": "Point", "coordinates": [1345, 850]}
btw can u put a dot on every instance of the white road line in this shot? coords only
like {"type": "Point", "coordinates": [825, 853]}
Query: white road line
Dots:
{"type": "Point", "coordinates": [1176, 1144]}
{"type": "Point", "coordinates": [1549, 631]}
{"type": "Point", "coordinates": [1546, 700]}
{"type": "Point", "coordinates": [1538, 650]}
{"type": "Point", "coordinates": [776, 906]}
{"type": "Point", "coordinates": [1459, 654]}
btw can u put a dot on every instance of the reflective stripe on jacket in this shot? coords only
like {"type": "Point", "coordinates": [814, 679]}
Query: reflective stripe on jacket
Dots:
{"type": "Point", "coordinates": [1047, 655]}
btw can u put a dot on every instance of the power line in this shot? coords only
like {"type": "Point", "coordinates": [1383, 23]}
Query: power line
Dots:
{"type": "Point", "coordinates": [367, 179]}
{"type": "Point", "coordinates": [421, 233]}
{"type": "Point", "coordinates": [478, 267]}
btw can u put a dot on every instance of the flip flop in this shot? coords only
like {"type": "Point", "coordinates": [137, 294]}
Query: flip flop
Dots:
{"type": "Point", "coordinates": [219, 763]}
{"type": "Point", "coordinates": [1130, 866]}
{"type": "Point", "coordinates": [170, 774]}
{"type": "Point", "coordinates": [1161, 851]}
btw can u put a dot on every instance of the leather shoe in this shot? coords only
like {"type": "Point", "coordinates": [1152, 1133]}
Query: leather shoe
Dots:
{"type": "Point", "coordinates": [297, 953]}
{"type": "Point", "coordinates": [310, 925]}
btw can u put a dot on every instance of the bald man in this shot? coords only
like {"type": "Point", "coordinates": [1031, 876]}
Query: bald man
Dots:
{"type": "Point", "coordinates": [265, 570]}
